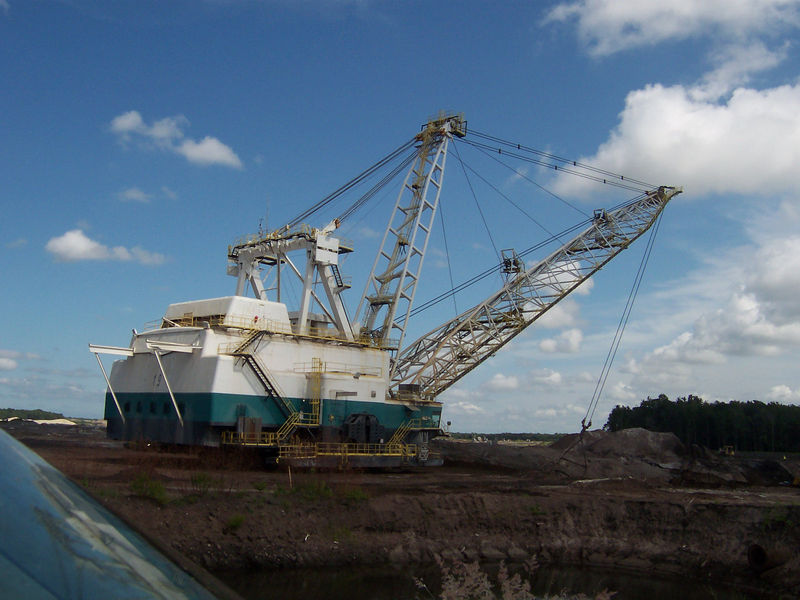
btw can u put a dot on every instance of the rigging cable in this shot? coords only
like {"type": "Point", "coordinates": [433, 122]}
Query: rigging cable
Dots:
{"type": "Point", "coordinates": [480, 211]}
{"type": "Point", "coordinates": [612, 352]}
{"type": "Point", "coordinates": [358, 204]}
{"type": "Point", "coordinates": [447, 254]}
{"type": "Point", "coordinates": [514, 204]}
{"type": "Point", "coordinates": [615, 180]}
{"type": "Point", "coordinates": [495, 268]}
{"type": "Point", "coordinates": [352, 183]}
{"type": "Point", "coordinates": [529, 180]}
{"type": "Point", "coordinates": [566, 161]}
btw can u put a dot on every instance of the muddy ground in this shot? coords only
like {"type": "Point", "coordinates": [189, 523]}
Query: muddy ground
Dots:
{"type": "Point", "coordinates": [631, 500]}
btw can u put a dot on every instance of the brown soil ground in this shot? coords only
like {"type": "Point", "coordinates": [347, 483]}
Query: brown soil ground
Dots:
{"type": "Point", "coordinates": [630, 500]}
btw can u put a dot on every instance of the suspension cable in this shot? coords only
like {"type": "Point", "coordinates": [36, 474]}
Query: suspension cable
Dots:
{"type": "Point", "coordinates": [358, 204]}
{"type": "Point", "coordinates": [555, 158]}
{"type": "Point", "coordinates": [447, 254]}
{"type": "Point", "coordinates": [352, 183]}
{"type": "Point", "coordinates": [477, 204]}
{"type": "Point", "coordinates": [529, 180]}
{"type": "Point", "coordinates": [626, 313]}
{"type": "Point", "coordinates": [611, 179]}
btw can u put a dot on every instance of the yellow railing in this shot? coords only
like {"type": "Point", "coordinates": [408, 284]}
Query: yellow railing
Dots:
{"type": "Point", "coordinates": [250, 438]}
{"type": "Point", "coordinates": [302, 229]}
{"type": "Point", "coordinates": [337, 367]}
{"type": "Point", "coordinates": [346, 449]}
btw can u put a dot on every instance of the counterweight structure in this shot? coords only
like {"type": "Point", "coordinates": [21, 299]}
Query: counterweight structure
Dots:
{"type": "Point", "coordinates": [308, 385]}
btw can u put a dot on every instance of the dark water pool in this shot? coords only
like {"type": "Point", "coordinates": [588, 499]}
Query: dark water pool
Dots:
{"type": "Point", "coordinates": [387, 583]}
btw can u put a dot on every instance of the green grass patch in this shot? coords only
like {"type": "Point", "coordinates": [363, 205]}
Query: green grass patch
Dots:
{"type": "Point", "coordinates": [233, 523]}
{"type": "Point", "coordinates": [145, 486]}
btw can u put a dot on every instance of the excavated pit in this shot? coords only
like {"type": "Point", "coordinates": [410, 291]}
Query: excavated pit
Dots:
{"type": "Point", "coordinates": [633, 500]}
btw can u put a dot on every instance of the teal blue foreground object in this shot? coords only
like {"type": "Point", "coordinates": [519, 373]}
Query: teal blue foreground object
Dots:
{"type": "Point", "coordinates": [56, 542]}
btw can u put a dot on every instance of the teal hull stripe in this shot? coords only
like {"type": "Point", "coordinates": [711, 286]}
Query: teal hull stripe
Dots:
{"type": "Point", "coordinates": [224, 409]}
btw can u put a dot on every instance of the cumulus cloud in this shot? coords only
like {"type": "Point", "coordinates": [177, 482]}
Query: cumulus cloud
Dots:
{"type": "Point", "coordinates": [464, 408]}
{"type": "Point", "coordinates": [568, 341]}
{"type": "Point", "coordinates": [752, 313]}
{"type": "Point", "coordinates": [740, 328]}
{"type": "Point", "coordinates": [134, 194]}
{"type": "Point", "coordinates": [670, 135]}
{"type": "Point", "coordinates": [547, 377]}
{"type": "Point", "coordinates": [563, 314]}
{"type": "Point", "coordinates": [783, 393]}
{"type": "Point", "coordinates": [209, 151]}
{"type": "Point", "coordinates": [168, 134]}
{"type": "Point", "coordinates": [75, 245]}
{"type": "Point", "coordinates": [609, 26]}
{"type": "Point", "coordinates": [714, 136]}
{"type": "Point", "coordinates": [734, 66]}
{"type": "Point", "coordinates": [7, 364]}
{"type": "Point", "coordinates": [500, 382]}
{"type": "Point", "coordinates": [775, 284]}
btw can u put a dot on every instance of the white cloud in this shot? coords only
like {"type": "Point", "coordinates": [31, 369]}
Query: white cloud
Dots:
{"type": "Point", "coordinates": [734, 65]}
{"type": "Point", "coordinates": [464, 408]}
{"type": "Point", "coordinates": [609, 26]}
{"type": "Point", "coordinates": [134, 194]}
{"type": "Point", "coordinates": [209, 151]}
{"type": "Point", "coordinates": [775, 283]}
{"type": "Point", "coordinates": [74, 246]}
{"type": "Point", "coordinates": [547, 377]}
{"type": "Point", "coordinates": [5, 6]}
{"type": "Point", "coordinates": [129, 122]}
{"type": "Point", "coordinates": [500, 382]}
{"type": "Point", "coordinates": [7, 364]}
{"type": "Point", "coordinates": [783, 393]}
{"type": "Point", "coordinates": [740, 328]}
{"type": "Point", "coordinates": [168, 134]}
{"type": "Point", "coordinates": [621, 391]}
{"type": "Point", "coordinates": [746, 328]}
{"type": "Point", "coordinates": [747, 145]}
{"type": "Point", "coordinates": [563, 314]}
{"type": "Point", "coordinates": [568, 341]}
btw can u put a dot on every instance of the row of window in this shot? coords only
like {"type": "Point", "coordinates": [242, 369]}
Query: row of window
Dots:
{"type": "Point", "coordinates": [166, 407]}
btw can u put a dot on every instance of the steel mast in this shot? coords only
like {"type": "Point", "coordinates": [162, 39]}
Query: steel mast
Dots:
{"type": "Point", "coordinates": [444, 355]}
{"type": "Point", "coordinates": [389, 293]}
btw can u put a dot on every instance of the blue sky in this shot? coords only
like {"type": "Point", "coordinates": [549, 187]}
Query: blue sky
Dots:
{"type": "Point", "coordinates": [138, 139]}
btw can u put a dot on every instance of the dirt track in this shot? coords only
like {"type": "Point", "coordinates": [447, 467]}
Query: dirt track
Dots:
{"type": "Point", "coordinates": [638, 501]}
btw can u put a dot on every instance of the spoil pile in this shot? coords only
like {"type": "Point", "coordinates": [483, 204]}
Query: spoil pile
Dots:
{"type": "Point", "coordinates": [634, 453]}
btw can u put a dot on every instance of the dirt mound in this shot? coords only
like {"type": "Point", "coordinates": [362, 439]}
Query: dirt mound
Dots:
{"type": "Point", "coordinates": [638, 454]}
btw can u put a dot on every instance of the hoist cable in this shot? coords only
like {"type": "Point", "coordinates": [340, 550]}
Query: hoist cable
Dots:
{"type": "Point", "coordinates": [612, 352]}
{"type": "Point", "coordinates": [614, 180]}
{"type": "Point", "coordinates": [358, 204]}
{"type": "Point", "coordinates": [477, 204]}
{"type": "Point", "coordinates": [514, 204]}
{"type": "Point", "coordinates": [352, 183]}
{"type": "Point", "coordinates": [529, 180]}
{"type": "Point", "coordinates": [554, 157]}
{"type": "Point", "coordinates": [447, 254]}
{"type": "Point", "coordinates": [490, 271]}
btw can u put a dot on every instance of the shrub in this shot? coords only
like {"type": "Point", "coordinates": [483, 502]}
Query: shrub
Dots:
{"type": "Point", "coordinates": [145, 486]}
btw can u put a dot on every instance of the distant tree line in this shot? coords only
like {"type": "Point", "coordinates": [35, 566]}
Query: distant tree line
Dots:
{"type": "Point", "coordinates": [23, 413]}
{"type": "Point", "coordinates": [747, 426]}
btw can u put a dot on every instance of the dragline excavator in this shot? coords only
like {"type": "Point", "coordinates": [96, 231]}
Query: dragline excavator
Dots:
{"type": "Point", "coordinates": [308, 381]}
{"type": "Point", "coordinates": [419, 371]}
